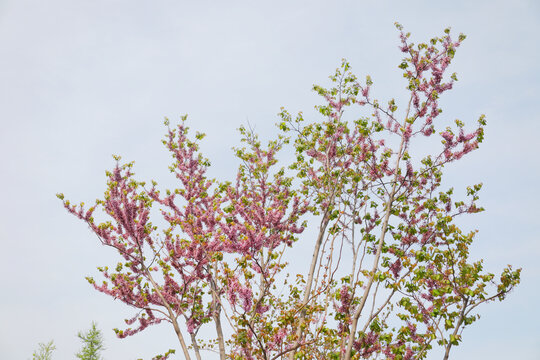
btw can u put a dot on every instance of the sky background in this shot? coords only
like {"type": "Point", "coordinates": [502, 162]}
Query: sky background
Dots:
{"type": "Point", "coordinates": [81, 80]}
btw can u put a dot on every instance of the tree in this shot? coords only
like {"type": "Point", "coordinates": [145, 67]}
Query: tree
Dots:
{"type": "Point", "coordinates": [44, 351]}
{"type": "Point", "coordinates": [92, 344]}
{"type": "Point", "coordinates": [390, 272]}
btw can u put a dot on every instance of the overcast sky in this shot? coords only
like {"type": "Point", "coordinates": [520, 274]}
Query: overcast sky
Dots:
{"type": "Point", "coordinates": [81, 80]}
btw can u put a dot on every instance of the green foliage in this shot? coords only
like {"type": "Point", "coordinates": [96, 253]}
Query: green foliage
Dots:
{"type": "Point", "coordinates": [44, 351]}
{"type": "Point", "coordinates": [92, 344]}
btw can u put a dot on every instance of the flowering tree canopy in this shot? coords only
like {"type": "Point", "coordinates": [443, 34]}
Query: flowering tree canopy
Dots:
{"type": "Point", "coordinates": [390, 272]}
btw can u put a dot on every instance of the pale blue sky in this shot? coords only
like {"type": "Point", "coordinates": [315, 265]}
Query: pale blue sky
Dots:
{"type": "Point", "coordinates": [81, 80]}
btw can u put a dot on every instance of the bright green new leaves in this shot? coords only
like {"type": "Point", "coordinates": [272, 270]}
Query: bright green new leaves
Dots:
{"type": "Point", "coordinates": [44, 351]}
{"type": "Point", "coordinates": [92, 344]}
